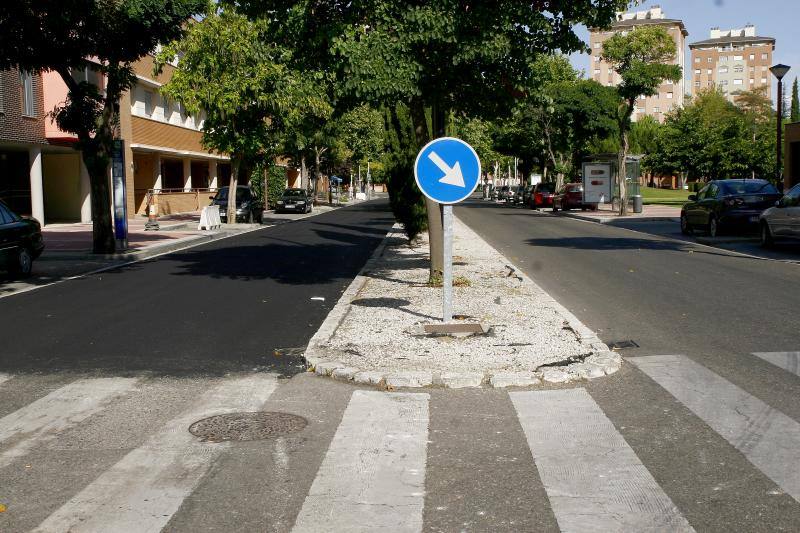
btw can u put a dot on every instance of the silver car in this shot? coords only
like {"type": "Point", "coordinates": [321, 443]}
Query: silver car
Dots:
{"type": "Point", "coordinates": [783, 220]}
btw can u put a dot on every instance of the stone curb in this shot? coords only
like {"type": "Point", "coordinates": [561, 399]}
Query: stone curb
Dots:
{"type": "Point", "coordinates": [601, 361]}
{"type": "Point", "coordinates": [611, 220]}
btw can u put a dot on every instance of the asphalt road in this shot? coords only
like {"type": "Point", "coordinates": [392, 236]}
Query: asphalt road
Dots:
{"type": "Point", "coordinates": [228, 305]}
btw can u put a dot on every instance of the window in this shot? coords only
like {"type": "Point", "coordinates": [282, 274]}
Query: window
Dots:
{"type": "Point", "coordinates": [723, 59]}
{"type": "Point", "coordinates": [737, 58]}
{"type": "Point", "coordinates": [752, 57]}
{"type": "Point", "coordinates": [656, 109]}
{"type": "Point", "coordinates": [26, 80]}
{"type": "Point", "coordinates": [710, 60]}
{"type": "Point", "coordinates": [737, 82]}
{"type": "Point", "coordinates": [709, 72]}
{"type": "Point", "coordinates": [596, 45]}
{"type": "Point", "coordinates": [697, 71]}
{"type": "Point", "coordinates": [738, 68]}
{"type": "Point", "coordinates": [697, 84]}
{"type": "Point", "coordinates": [597, 71]}
{"type": "Point", "coordinates": [752, 81]}
{"type": "Point", "coordinates": [763, 57]}
{"type": "Point", "coordinates": [596, 59]}
{"type": "Point", "coordinates": [148, 103]}
{"type": "Point", "coordinates": [724, 82]}
{"type": "Point", "coordinates": [696, 59]}
{"type": "Point", "coordinates": [763, 80]}
{"type": "Point", "coordinates": [5, 216]}
{"type": "Point", "coordinates": [669, 96]}
{"type": "Point", "coordinates": [723, 70]}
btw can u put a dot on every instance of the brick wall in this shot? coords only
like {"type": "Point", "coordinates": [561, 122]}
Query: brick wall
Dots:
{"type": "Point", "coordinates": [14, 126]}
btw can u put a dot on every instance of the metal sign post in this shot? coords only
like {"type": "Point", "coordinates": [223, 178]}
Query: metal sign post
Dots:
{"type": "Point", "coordinates": [120, 204]}
{"type": "Point", "coordinates": [447, 171]}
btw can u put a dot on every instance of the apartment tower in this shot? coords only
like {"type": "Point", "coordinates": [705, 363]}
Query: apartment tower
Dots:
{"type": "Point", "coordinates": [733, 60]}
{"type": "Point", "coordinates": [670, 95]}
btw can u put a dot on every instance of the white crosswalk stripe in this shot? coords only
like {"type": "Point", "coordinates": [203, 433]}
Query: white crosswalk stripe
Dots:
{"type": "Point", "coordinates": [59, 410]}
{"type": "Point", "coordinates": [594, 480]}
{"type": "Point", "coordinates": [143, 490]}
{"type": "Point", "coordinates": [789, 361]}
{"type": "Point", "coordinates": [767, 437]}
{"type": "Point", "coordinates": [373, 475]}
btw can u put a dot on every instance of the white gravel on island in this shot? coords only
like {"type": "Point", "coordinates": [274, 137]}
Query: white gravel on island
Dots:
{"type": "Point", "coordinates": [380, 330]}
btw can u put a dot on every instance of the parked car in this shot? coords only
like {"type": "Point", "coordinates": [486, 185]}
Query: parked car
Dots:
{"type": "Point", "coordinates": [20, 242]}
{"type": "Point", "coordinates": [571, 197]}
{"type": "Point", "coordinates": [248, 209]}
{"type": "Point", "coordinates": [519, 195]}
{"type": "Point", "coordinates": [542, 195]}
{"type": "Point", "coordinates": [727, 204]}
{"type": "Point", "coordinates": [502, 193]}
{"type": "Point", "coordinates": [526, 194]}
{"type": "Point", "coordinates": [783, 220]}
{"type": "Point", "coordinates": [295, 201]}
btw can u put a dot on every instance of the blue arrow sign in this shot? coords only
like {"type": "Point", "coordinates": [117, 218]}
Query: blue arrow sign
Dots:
{"type": "Point", "coordinates": [447, 170]}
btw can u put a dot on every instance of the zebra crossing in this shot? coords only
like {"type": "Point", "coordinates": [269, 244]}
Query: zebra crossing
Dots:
{"type": "Point", "coordinates": [370, 473]}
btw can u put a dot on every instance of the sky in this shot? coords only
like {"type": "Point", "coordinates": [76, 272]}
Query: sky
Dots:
{"type": "Point", "coordinates": [773, 18]}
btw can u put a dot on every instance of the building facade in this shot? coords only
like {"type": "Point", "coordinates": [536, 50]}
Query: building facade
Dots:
{"type": "Point", "coordinates": [43, 175]}
{"type": "Point", "coordinates": [733, 60]}
{"type": "Point", "coordinates": [670, 95]}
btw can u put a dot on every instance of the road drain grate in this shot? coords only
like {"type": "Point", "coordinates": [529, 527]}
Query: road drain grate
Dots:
{"type": "Point", "coordinates": [621, 345]}
{"type": "Point", "coordinates": [246, 426]}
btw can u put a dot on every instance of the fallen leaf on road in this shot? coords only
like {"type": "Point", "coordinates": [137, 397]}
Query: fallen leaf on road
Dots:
{"type": "Point", "coordinates": [2, 508]}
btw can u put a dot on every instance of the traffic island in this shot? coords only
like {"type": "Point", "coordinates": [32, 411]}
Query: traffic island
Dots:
{"type": "Point", "coordinates": [386, 328]}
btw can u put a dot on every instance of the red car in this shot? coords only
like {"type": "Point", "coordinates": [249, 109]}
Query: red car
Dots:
{"type": "Point", "coordinates": [542, 195]}
{"type": "Point", "coordinates": [571, 197]}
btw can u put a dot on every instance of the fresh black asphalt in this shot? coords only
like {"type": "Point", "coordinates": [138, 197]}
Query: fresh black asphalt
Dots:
{"type": "Point", "coordinates": [235, 304]}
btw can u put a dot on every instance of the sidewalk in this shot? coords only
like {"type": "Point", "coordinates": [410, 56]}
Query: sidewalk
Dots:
{"type": "Point", "coordinates": [376, 332]}
{"type": "Point", "coordinates": [605, 215]}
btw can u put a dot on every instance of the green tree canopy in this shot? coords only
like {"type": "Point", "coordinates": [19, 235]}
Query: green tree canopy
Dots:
{"type": "Point", "coordinates": [245, 85]}
{"type": "Point", "coordinates": [59, 36]}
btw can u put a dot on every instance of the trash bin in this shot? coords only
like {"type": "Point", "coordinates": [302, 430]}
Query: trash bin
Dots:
{"type": "Point", "coordinates": [637, 203]}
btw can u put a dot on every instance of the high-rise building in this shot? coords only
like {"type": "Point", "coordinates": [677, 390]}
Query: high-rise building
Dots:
{"type": "Point", "coordinates": [670, 95]}
{"type": "Point", "coordinates": [733, 60]}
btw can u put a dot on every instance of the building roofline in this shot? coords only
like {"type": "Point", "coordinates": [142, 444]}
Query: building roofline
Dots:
{"type": "Point", "coordinates": [621, 24]}
{"type": "Point", "coordinates": [733, 40]}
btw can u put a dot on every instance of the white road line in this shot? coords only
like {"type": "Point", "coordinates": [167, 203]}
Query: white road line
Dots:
{"type": "Point", "coordinates": [5, 377]}
{"type": "Point", "coordinates": [63, 408]}
{"type": "Point", "coordinates": [789, 361]}
{"type": "Point", "coordinates": [373, 475]}
{"type": "Point", "coordinates": [146, 487]}
{"type": "Point", "coordinates": [767, 437]}
{"type": "Point", "coordinates": [594, 480]}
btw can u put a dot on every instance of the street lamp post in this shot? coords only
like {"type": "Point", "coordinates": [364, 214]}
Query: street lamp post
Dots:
{"type": "Point", "coordinates": [779, 71]}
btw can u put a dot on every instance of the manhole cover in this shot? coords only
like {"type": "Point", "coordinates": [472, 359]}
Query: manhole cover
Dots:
{"type": "Point", "coordinates": [246, 426]}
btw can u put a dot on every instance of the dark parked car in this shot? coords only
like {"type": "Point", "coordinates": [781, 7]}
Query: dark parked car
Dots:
{"type": "Point", "coordinates": [728, 204]}
{"type": "Point", "coordinates": [20, 242]}
{"type": "Point", "coordinates": [519, 195]}
{"type": "Point", "coordinates": [295, 201]}
{"type": "Point", "coordinates": [542, 195]}
{"type": "Point", "coordinates": [526, 194]}
{"type": "Point", "coordinates": [571, 197]}
{"type": "Point", "coordinates": [783, 220]}
{"type": "Point", "coordinates": [502, 193]}
{"type": "Point", "coordinates": [248, 208]}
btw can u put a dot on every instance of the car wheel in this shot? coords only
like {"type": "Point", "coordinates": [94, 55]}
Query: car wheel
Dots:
{"type": "Point", "coordinates": [767, 239]}
{"type": "Point", "coordinates": [713, 227]}
{"type": "Point", "coordinates": [23, 265]}
{"type": "Point", "coordinates": [686, 229]}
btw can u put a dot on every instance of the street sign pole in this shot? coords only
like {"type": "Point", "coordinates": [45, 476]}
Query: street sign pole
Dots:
{"type": "Point", "coordinates": [447, 275]}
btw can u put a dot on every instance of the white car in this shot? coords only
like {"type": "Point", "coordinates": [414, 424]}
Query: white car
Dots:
{"type": "Point", "coordinates": [783, 220]}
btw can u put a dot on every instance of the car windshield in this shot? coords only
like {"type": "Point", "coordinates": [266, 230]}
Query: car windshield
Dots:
{"type": "Point", "coordinates": [747, 187]}
{"type": "Point", "coordinates": [294, 193]}
{"type": "Point", "coordinates": [545, 187]}
{"type": "Point", "coordinates": [241, 194]}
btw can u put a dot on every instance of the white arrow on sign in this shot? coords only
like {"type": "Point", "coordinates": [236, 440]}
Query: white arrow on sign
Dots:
{"type": "Point", "coordinates": [452, 175]}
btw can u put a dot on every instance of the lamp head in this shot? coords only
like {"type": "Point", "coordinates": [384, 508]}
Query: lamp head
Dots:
{"type": "Point", "coordinates": [779, 70]}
